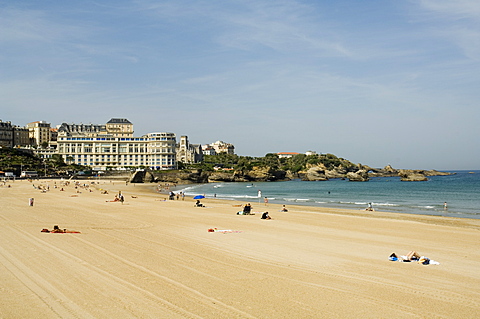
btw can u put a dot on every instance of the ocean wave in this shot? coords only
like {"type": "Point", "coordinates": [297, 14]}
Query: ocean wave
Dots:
{"type": "Point", "coordinates": [353, 203]}
{"type": "Point", "coordinates": [385, 204]}
{"type": "Point", "coordinates": [298, 200]}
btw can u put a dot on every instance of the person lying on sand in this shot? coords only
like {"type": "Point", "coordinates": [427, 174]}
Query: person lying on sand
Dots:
{"type": "Point", "coordinates": [56, 229]}
{"type": "Point", "coordinates": [116, 199]}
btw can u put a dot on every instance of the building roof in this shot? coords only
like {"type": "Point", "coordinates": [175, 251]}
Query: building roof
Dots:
{"type": "Point", "coordinates": [119, 121]}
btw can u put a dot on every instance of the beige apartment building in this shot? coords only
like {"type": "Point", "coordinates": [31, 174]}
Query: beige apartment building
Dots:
{"type": "Point", "coordinates": [39, 132]}
{"type": "Point", "coordinates": [113, 146]}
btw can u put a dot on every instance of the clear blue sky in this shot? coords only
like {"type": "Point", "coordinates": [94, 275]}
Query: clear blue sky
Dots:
{"type": "Point", "coordinates": [376, 82]}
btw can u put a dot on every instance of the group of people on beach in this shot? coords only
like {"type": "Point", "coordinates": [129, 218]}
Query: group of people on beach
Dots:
{"type": "Point", "coordinates": [57, 229]}
{"type": "Point", "coordinates": [412, 256]}
{"type": "Point", "coordinates": [247, 210]}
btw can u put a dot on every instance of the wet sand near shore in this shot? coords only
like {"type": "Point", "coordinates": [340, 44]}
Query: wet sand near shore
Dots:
{"type": "Point", "coordinates": [155, 258]}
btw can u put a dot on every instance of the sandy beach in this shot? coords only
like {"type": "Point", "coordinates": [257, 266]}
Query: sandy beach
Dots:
{"type": "Point", "coordinates": [155, 258]}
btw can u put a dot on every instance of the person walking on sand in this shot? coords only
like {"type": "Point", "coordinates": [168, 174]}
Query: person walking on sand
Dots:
{"type": "Point", "coordinates": [265, 200]}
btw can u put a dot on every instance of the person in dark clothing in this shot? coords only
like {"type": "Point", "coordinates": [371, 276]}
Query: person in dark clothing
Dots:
{"type": "Point", "coordinates": [247, 209]}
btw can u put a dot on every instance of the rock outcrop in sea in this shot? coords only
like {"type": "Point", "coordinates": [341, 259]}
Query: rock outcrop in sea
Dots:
{"type": "Point", "coordinates": [356, 173]}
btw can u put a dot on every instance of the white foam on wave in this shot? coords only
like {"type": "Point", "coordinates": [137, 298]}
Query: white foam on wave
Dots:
{"type": "Point", "coordinates": [302, 200]}
{"type": "Point", "coordinates": [354, 203]}
{"type": "Point", "coordinates": [297, 200]}
{"type": "Point", "coordinates": [241, 196]}
{"type": "Point", "coordinates": [384, 204]}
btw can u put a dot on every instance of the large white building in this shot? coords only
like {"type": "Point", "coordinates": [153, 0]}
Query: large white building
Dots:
{"type": "Point", "coordinates": [114, 146]}
{"type": "Point", "coordinates": [217, 148]}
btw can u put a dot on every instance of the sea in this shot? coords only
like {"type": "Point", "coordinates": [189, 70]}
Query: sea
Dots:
{"type": "Point", "coordinates": [460, 192]}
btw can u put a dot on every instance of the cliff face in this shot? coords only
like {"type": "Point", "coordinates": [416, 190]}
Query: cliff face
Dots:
{"type": "Point", "coordinates": [358, 173]}
{"type": "Point", "coordinates": [257, 174]}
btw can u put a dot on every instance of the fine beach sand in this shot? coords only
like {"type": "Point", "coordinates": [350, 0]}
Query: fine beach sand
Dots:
{"type": "Point", "coordinates": [150, 258]}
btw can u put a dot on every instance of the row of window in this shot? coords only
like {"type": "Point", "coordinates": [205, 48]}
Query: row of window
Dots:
{"type": "Point", "coordinates": [120, 156]}
{"type": "Point", "coordinates": [139, 139]}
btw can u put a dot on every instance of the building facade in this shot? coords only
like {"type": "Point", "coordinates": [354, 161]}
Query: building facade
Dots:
{"type": "Point", "coordinates": [218, 147]}
{"type": "Point", "coordinates": [6, 134]}
{"type": "Point", "coordinates": [222, 147]}
{"type": "Point", "coordinates": [188, 153]}
{"type": "Point", "coordinates": [39, 132]}
{"type": "Point", "coordinates": [21, 136]}
{"type": "Point", "coordinates": [114, 146]}
{"type": "Point", "coordinates": [13, 136]}
{"type": "Point", "coordinates": [287, 154]}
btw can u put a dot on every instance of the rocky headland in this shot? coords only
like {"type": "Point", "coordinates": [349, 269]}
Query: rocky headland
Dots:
{"type": "Point", "coordinates": [355, 173]}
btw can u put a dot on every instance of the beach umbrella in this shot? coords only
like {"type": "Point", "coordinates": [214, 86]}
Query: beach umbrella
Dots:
{"type": "Point", "coordinates": [199, 197]}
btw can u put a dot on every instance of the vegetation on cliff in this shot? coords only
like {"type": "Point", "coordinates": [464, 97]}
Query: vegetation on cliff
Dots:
{"type": "Point", "coordinates": [292, 164]}
{"type": "Point", "coordinates": [17, 160]}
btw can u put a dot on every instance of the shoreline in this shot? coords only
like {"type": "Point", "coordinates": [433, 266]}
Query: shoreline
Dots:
{"type": "Point", "coordinates": [274, 208]}
{"type": "Point", "coordinates": [413, 198]}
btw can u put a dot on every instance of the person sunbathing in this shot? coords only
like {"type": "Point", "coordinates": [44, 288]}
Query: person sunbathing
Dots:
{"type": "Point", "coordinates": [116, 199]}
{"type": "Point", "coordinates": [57, 229]}
{"type": "Point", "coordinates": [411, 256]}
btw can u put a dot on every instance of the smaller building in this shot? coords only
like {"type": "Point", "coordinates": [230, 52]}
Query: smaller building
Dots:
{"type": "Point", "coordinates": [21, 136]}
{"type": "Point", "coordinates": [6, 134]}
{"type": "Point", "coordinates": [39, 132]}
{"type": "Point", "coordinates": [287, 154]}
{"type": "Point", "coordinates": [119, 127]}
{"type": "Point", "coordinates": [13, 136]}
{"type": "Point", "coordinates": [208, 150]}
{"type": "Point", "coordinates": [222, 147]}
{"type": "Point", "coordinates": [188, 153]}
